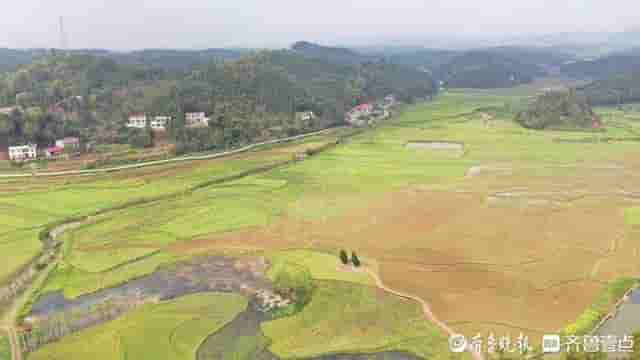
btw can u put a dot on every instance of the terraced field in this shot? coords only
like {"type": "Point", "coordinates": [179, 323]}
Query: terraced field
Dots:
{"type": "Point", "coordinates": [28, 204]}
{"type": "Point", "coordinates": [522, 232]}
{"type": "Point", "coordinates": [5, 347]}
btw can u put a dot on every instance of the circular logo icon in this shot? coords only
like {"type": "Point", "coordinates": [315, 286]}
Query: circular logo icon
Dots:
{"type": "Point", "coordinates": [457, 343]}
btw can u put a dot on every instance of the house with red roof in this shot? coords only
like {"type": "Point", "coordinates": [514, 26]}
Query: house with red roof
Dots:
{"type": "Point", "coordinates": [53, 152]}
{"type": "Point", "coordinates": [68, 143]}
{"type": "Point", "coordinates": [597, 123]}
{"type": "Point", "coordinates": [359, 114]}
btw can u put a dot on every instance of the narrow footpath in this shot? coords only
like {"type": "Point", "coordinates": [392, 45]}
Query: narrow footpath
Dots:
{"type": "Point", "coordinates": [426, 309]}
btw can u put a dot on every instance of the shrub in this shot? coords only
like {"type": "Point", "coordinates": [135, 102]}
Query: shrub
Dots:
{"type": "Point", "coordinates": [344, 257]}
{"type": "Point", "coordinates": [293, 280]}
{"type": "Point", "coordinates": [355, 260]}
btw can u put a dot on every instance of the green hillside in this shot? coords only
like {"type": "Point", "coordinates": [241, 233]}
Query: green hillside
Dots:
{"type": "Point", "coordinates": [487, 69]}
{"type": "Point", "coordinates": [558, 110]}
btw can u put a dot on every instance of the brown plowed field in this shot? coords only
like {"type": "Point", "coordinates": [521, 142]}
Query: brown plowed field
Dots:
{"type": "Point", "coordinates": [530, 261]}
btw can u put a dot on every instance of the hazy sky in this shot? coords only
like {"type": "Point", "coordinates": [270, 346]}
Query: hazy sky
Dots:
{"type": "Point", "coordinates": [131, 24]}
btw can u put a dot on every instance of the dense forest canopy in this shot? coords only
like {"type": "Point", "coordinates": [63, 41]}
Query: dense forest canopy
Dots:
{"type": "Point", "coordinates": [604, 67]}
{"type": "Point", "coordinates": [487, 69]}
{"type": "Point", "coordinates": [615, 90]}
{"type": "Point", "coordinates": [558, 109]}
{"type": "Point", "coordinates": [336, 55]}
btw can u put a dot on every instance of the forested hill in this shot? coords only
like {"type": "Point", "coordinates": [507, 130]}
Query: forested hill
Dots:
{"type": "Point", "coordinates": [426, 59]}
{"type": "Point", "coordinates": [251, 98]}
{"type": "Point", "coordinates": [615, 90]}
{"type": "Point", "coordinates": [487, 69]}
{"type": "Point", "coordinates": [335, 55]}
{"type": "Point", "coordinates": [538, 56]}
{"type": "Point", "coordinates": [176, 59]}
{"type": "Point", "coordinates": [11, 59]}
{"type": "Point", "coordinates": [602, 68]}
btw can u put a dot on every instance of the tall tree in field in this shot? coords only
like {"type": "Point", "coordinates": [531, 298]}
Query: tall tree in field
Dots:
{"type": "Point", "coordinates": [344, 257]}
{"type": "Point", "coordinates": [355, 260]}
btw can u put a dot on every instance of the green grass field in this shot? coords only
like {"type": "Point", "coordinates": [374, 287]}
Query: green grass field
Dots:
{"type": "Point", "coordinates": [322, 266]}
{"type": "Point", "coordinates": [172, 331]}
{"type": "Point", "coordinates": [5, 348]}
{"type": "Point", "coordinates": [28, 204]}
{"type": "Point", "coordinates": [350, 318]}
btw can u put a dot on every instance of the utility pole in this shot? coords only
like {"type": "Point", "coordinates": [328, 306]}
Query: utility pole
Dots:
{"type": "Point", "coordinates": [63, 35]}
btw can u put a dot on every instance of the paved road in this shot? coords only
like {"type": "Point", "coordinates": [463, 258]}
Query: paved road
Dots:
{"type": "Point", "coordinates": [167, 161]}
{"type": "Point", "coordinates": [426, 309]}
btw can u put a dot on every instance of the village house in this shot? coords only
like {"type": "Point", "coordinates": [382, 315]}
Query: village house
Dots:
{"type": "Point", "coordinates": [160, 122]}
{"type": "Point", "coordinates": [379, 111]}
{"type": "Point", "coordinates": [306, 115]}
{"type": "Point", "coordinates": [358, 116]}
{"type": "Point", "coordinates": [69, 143]}
{"type": "Point", "coordinates": [23, 152]}
{"type": "Point", "coordinates": [53, 152]}
{"type": "Point", "coordinates": [138, 121]}
{"type": "Point", "coordinates": [7, 110]}
{"type": "Point", "coordinates": [389, 101]}
{"type": "Point", "coordinates": [197, 119]}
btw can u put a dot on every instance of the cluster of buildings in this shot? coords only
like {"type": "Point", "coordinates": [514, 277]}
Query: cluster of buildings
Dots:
{"type": "Point", "coordinates": [368, 113]}
{"type": "Point", "coordinates": [139, 121]}
{"type": "Point", "coordinates": [160, 122]}
{"type": "Point", "coordinates": [30, 152]}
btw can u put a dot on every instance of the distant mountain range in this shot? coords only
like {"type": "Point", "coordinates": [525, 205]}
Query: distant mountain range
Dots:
{"type": "Point", "coordinates": [10, 59]}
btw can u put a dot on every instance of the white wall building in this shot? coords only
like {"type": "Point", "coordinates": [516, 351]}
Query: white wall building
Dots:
{"type": "Point", "coordinates": [23, 152]}
{"type": "Point", "coordinates": [306, 115]}
{"type": "Point", "coordinates": [196, 119]}
{"type": "Point", "coordinates": [160, 122]}
{"type": "Point", "coordinates": [68, 143]}
{"type": "Point", "coordinates": [137, 121]}
{"type": "Point", "coordinates": [7, 110]}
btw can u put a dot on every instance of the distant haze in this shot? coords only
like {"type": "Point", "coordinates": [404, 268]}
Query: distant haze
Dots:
{"type": "Point", "coordinates": [135, 24]}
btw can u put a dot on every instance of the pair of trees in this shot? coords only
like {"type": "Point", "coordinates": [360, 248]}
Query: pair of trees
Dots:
{"type": "Point", "coordinates": [344, 258]}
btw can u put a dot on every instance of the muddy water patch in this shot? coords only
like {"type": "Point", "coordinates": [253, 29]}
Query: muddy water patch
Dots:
{"type": "Point", "coordinates": [54, 316]}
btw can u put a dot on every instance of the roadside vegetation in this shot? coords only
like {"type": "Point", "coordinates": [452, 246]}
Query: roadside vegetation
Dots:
{"type": "Point", "coordinates": [602, 305]}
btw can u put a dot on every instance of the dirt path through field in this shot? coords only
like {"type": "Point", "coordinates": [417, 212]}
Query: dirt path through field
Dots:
{"type": "Point", "coordinates": [426, 309]}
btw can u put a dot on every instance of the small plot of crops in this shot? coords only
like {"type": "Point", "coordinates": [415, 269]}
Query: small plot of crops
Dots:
{"type": "Point", "coordinates": [344, 317]}
{"type": "Point", "coordinates": [322, 266]}
{"type": "Point", "coordinates": [5, 347]}
{"type": "Point", "coordinates": [172, 330]}
{"type": "Point", "coordinates": [17, 249]}
{"type": "Point", "coordinates": [27, 204]}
